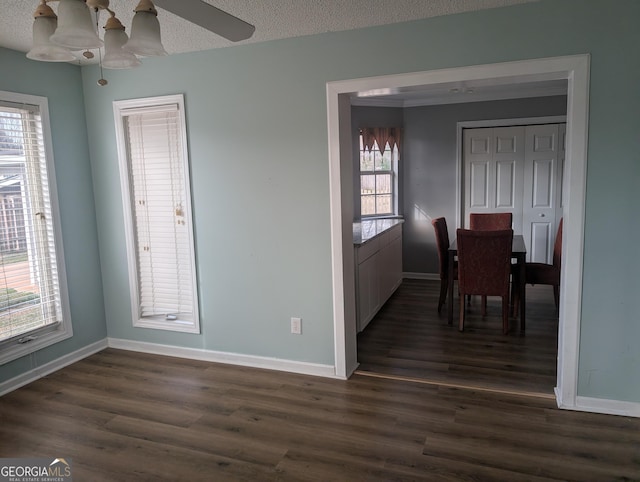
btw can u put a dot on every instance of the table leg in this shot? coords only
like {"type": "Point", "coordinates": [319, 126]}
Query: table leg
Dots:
{"type": "Point", "coordinates": [450, 289]}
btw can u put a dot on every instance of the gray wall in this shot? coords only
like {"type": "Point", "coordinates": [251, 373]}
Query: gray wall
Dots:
{"type": "Point", "coordinates": [429, 167]}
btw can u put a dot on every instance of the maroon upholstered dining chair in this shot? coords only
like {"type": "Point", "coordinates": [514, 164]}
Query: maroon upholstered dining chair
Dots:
{"type": "Point", "coordinates": [484, 267]}
{"type": "Point", "coordinates": [442, 244]}
{"type": "Point", "coordinates": [547, 274]}
{"type": "Point", "coordinates": [490, 221]}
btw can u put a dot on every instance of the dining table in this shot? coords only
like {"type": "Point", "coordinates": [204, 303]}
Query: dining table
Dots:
{"type": "Point", "coordinates": [518, 252]}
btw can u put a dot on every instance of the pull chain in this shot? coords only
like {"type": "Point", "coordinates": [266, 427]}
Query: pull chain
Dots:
{"type": "Point", "coordinates": [101, 81]}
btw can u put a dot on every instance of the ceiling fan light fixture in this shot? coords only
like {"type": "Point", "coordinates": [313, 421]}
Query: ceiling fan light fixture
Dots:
{"type": "Point", "coordinates": [145, 32]}
{"type": "Point", "coordinates": [44, 24]}
{"type": "Point", "coordinates": [75, 27]}
{"type": "Point", "coordinates": [61, 37]}
{"type": "Point", "coordinates": [115, 57]}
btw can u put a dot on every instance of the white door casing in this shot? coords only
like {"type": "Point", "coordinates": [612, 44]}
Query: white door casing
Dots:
{"type": "Point", "coordinates": [572, 68]}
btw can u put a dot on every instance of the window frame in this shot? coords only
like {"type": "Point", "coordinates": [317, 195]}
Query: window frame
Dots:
{"type": "Point", "coordinates": [393, 172]}
{"type": "Point", "coordinates": [39, 338]}
{"type": "Point", "coordinates": [121, 109]}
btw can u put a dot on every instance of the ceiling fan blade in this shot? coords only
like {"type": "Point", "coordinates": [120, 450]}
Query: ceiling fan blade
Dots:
{"type": "Point", "coordinates": [209, 17]}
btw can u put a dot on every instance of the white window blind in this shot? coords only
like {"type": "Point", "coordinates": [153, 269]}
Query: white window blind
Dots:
{"type": "Point", "coordinates": [30, 288]}
{"type": "Point", "coordinates": [161, 240]}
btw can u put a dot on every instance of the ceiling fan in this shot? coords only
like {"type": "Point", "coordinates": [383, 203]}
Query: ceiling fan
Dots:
{"type": "Point", "coordinates": [56, 37]}
{"type": "Point", "coordinates": [209, 17]}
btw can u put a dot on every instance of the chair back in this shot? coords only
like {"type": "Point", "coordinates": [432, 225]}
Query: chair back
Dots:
{"type": "Point", "coordinates": [484, 262]}
{"type": "Point", "coordinates": [442, 243]}
{"type": "Point", "coordinates": [557, 246]}
{"type": "Point", "coordinates": [490, 221]}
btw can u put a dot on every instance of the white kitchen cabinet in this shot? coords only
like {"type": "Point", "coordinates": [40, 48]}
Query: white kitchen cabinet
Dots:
{"type": "Point", "coordinates": [378, 272]}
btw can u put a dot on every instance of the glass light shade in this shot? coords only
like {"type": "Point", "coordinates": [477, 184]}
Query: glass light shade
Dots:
{"type": "Point", "coordinates": [43, 49]}
{"type": "Point", "coordinates": [145, 36]}
{"type": "Point", "coordinates": [114, 56]}
{"type": "Point", "coordinates": [75, 27]}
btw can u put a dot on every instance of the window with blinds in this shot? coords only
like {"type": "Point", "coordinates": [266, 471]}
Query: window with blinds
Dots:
{"type": "Point", "coordinates": [156, 188]}
{"type": "Point", "coordinates": [32, 301]}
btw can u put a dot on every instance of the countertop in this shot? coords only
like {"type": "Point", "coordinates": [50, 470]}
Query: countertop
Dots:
{"type": "Point", "coordinates": [368, 229]}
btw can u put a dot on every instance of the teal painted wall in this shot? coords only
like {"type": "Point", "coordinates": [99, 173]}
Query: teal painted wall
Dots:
{"type": "Point", "coordinates": [62, 85]}
{"type": "Point", "coordinates": [256, 116]}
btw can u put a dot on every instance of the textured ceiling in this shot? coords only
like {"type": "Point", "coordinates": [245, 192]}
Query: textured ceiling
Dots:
{"type": "Point", "coordinates": [273, 19]}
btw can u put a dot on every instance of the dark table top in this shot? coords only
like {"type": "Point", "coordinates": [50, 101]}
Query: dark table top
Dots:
{"type": "Point", "coordinates": [517, 246]}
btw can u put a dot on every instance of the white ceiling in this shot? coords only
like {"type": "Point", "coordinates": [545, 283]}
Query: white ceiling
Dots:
{"type": "Point", "coordinates": [273, 19]}
{"type": "Point", "coordinates": [277, 19]}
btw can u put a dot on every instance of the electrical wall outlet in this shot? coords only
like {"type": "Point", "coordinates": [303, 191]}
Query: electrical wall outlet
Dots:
{"type": "Point", "coordinates": [296, 326]}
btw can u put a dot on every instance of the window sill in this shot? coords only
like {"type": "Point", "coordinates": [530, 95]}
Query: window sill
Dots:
{"type": "Point", "coordinates": [17, 350]}
{"type": "Point", "coordinates": [387, 216]}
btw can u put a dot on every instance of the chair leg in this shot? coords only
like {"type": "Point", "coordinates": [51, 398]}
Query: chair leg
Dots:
{"type": "Point", "coordinates": [514, 295]}
{"type": "Point", "coordinates": [505, 315]}
{"type": "Point", "coordinates": [515, 299]}
{"type": "Point", "coordinates": [444, 286]}
{"type": "Point", "coordinates": [484, 305]}
{"type": "Point", "coordinates": [461, 325]}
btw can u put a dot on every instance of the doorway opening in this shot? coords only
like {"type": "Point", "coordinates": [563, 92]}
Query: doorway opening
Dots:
{"type": "Point", "coordinates": [573, 69]}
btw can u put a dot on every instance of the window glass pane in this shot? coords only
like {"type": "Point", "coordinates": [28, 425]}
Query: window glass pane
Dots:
{"type": "Point", "coordinates": [383, 162]}
{"type": "Point", "coordinates": [383, 183]}
{"type": "Point", "coordinates": [366, 159]}
{"type": "Point", "coordinates": [368, 205]}
{"type": "Point", "coordinates": [383, 204]}
{"type": "Point", "coordinates": [367, 184]}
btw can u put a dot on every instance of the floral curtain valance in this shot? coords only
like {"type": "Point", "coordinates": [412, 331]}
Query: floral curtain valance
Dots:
{"type": "Point", "coordinates": [381, 135]}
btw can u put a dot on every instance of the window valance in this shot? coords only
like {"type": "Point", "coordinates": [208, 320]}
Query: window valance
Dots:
{"type": "Point", "coordinates": [381, 136]}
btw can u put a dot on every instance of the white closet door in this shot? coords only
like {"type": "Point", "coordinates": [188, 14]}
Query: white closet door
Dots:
{"type": "Point", "coordinates": [540, 191]}
{"type": "Point", "coordinates": [493, 164]}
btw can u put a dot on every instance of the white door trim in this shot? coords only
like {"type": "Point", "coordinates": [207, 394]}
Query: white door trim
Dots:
{"type": "Point", "coordinates": [575, 69]}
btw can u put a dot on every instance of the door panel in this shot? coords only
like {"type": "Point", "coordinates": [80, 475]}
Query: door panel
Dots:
{"type": "Point", "coordinates": [542, 183]}
{"type": "Point", "coordinates": [505, 185]}
{"type": "Point", "coordinates": [539, 206]}
{"type": "Point", "coordinates": [540, 234]}
{"type": "Point", "coordinates": [479, 185]}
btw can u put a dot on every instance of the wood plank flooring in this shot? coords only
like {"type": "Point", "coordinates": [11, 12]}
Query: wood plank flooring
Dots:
{"type": "Point", "coordinates": [125, 416]}
{"type": "Point", "coordinates": [409, 339]}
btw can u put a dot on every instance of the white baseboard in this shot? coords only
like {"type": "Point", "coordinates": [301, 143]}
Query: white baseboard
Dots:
{"type": "Point", "coordinates": [600, 405]}
{"type": "Point", "coordinates": [316, 369]}
{"type": "Point", "coordinates": [609, 407]}
{"type": "Point", "coordinates": [48, 368]}
{"type": "Point", "coordinates": [429, 276]}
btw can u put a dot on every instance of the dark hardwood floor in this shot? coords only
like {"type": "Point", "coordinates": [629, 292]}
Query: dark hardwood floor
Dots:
{"type": "Point", "coordinates": [125, 416]}
{"type": "Point", "coordinates": [409, 339]}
